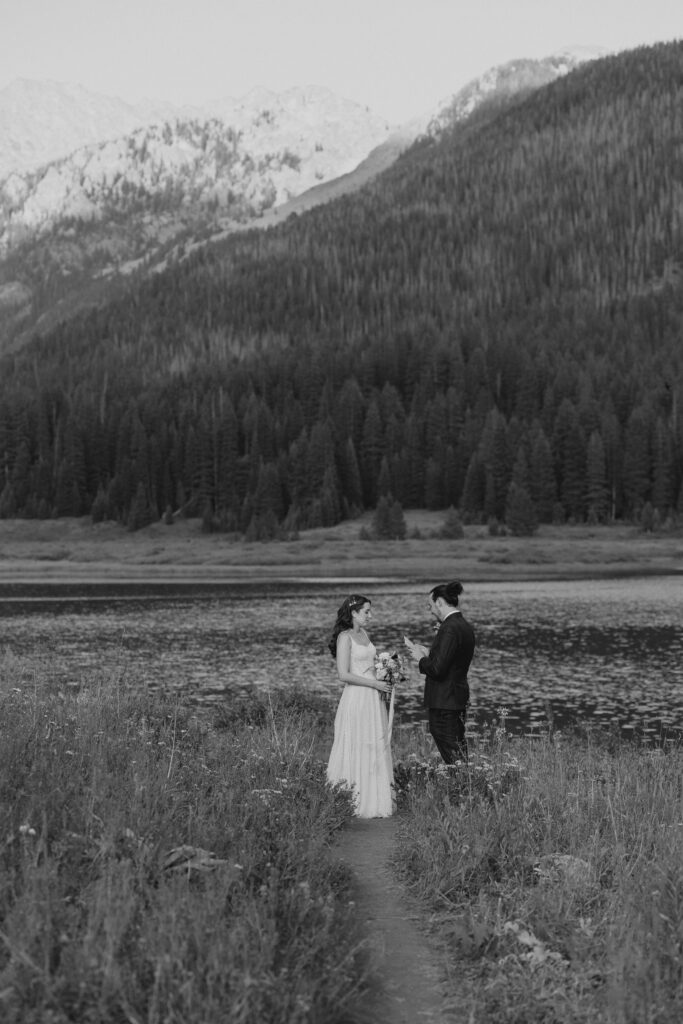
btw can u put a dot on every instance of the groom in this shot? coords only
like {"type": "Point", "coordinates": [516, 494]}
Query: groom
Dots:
{"type": "Point", "coordinates": [445, 666]}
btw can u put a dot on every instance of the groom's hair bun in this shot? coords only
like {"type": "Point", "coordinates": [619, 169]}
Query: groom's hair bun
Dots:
{"type": "Point", "coordinates": [450, 592]}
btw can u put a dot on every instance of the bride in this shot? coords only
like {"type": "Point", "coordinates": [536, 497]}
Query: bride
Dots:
{"type": "Point", "coordinates": [361, 752]}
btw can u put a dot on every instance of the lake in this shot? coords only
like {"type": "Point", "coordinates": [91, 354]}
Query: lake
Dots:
{"type": "Point", "coordinates": [607, 652]}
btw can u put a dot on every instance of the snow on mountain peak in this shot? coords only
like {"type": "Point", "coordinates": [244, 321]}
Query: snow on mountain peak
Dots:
{"type": "Point", "coordinates": [514, 76]}
{"type": "Point", "coordinates": [230, 161]}
{"type": "Point", "coordinates": [41, 121]}
{"type": "Point", "coordinates": [579, 53]}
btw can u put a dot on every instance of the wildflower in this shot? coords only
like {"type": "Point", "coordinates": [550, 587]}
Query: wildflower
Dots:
{"type": "Point", "coordinates": [26, 830]}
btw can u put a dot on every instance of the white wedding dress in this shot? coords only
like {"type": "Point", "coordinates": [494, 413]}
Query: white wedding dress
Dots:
{"type": "Point", "coordinates": [361, 752]}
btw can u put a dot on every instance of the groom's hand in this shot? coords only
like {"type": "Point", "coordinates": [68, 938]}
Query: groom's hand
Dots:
{"type": "Point", "coordinates": [416, 651]}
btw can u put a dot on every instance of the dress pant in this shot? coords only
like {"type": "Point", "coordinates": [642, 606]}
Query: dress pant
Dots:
{"type": "Point", "coordinates": [448, 731]}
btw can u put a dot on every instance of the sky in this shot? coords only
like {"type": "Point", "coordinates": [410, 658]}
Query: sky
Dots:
{"type": "Point", "coordinates": [397, 57]}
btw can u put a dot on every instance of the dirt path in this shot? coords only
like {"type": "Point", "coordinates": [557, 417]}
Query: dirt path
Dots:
{"type": "Point", "coordinates": [409, 988]}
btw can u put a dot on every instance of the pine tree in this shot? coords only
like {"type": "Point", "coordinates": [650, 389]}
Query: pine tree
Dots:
{"type": "Point", "coordinates": [320, 456]}
{"type": "Point", "coordinates": [21, 472]}
{"type": "Point", "coordinates": [476, 377]}
{"type": "Point", "coordinates": [8, 504]}
{"type": "Point", "coordinates": [495, 452]}
{"type": "Point", "coordinates": [527, 399]}
{"type": "Point", "coordinates": [67, 496]}
{"type": "Point", "coordinates": [297, 471]}
{"type": "Point", "coordinates": [474, 490]}
{"type": "Point", "coordinates": [140, 513]}
{"type": "Point", "coordinates": [330, 501]}
{"type": "Point", "coordinates": [454, 476]}
{"type": "Point", "coordinates": [520, 514]}
{"type": "Point", "coordinates": [573, 491]}
{"type": "Point", "coordinates": [610, 433]}
{"type": "Point", "coordinates": [564, 425]}
{"type": "Point", "coordinates": [384, 479]}
{"type": "Point", "coordinates": [434, 484]}
{"type": "Point", "coordinates": [267, 496]}
{"type": "Point", "coordinates": [349, 412]}
{"type": "Point", "coordinates": [452, 528]}
{"type": "Point", "coordinates": [372, 450]}
{"type": "Point", "coordinates": [520, 469]}
{"type": "Point", "coordinates": [663, 468]}
{"type": "Point", "coordinates": [491, 501]}
{"type": "Point", "coordinates": [414, 462]}
{"type": "Point", "coordinates": [208, 519]}
{"type": "Point", "coordinates": [350, 482]}
{"type": "Point", "coordinates": [597, 491]}
{"type": "Point", "coordinates": [636, 462]}
{"type": "Point", "coordinates": [381, 520]}
{"type": "Point", "coordinates": [100, 506]}
{"type": "Point", "coordinates": [646, 518]}
{"type": "Point", "coordinates": [226, 449]}
{"type": "Point", "coordinates": [397, 522]}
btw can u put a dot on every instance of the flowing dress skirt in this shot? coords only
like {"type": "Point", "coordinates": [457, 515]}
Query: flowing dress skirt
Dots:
{"type": "Point", "coordinates": [361, 752]}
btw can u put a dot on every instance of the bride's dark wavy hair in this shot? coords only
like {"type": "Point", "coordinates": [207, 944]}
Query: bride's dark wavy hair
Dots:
{"type": "Point", "coordinates": [354, 603]}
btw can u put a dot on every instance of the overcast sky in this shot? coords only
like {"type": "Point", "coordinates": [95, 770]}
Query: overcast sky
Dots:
{"type": "Point", "coordinates": [397, 57]}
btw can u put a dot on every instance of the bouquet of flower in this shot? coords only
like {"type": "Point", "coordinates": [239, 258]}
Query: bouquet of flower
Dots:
{"type": "Point", "coordinates": [389, 669]}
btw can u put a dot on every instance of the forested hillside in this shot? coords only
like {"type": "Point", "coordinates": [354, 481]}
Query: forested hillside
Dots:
{"type": "Point", "coordinates": [499, 316]}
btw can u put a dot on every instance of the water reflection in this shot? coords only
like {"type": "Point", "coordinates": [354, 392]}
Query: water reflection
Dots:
{"type": "Point", "coordinates": [609, 652]}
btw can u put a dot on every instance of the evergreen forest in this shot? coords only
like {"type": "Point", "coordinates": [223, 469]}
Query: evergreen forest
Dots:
{"type": "Point", "coordinates": [494, 323]}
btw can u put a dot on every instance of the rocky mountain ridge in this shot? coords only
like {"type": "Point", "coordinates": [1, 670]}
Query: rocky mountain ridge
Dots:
{"type": "Point", "coordinates": [244, 158]}
{"type": "Point", "coordinates": [44, 121]}
{"type": "Point", "coordinates": [133, 201]}
{"type": "Point", "coordinates": [513, 78]}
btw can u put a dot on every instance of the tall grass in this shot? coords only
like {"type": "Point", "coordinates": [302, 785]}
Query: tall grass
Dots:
{"type": "Point", "coordinates": [553, 869]}
{"type": "Point", "coordinates": [154, 867]}
{"type": "Point", "coordinates": [160, 865]}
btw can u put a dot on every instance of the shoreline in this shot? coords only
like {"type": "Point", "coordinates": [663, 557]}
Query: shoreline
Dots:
{"type": "Point", "coordinates": [76, 551]}
{"type": "Point", "coordinates": [104, 580]}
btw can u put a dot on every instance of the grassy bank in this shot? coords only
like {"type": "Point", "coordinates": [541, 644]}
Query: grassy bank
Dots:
{"type": "Point", "coordinates": [154, 868]}
{"type": "Point", "coordinates": [552, 872]}
{"type": "Point", "coordinates": [72, 549]}
{"type": "Point", "coordinates": [161, 867]}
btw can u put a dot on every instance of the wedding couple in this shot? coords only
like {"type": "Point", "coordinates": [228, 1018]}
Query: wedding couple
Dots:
{"type": "Point", "coordinates": [361, 752]}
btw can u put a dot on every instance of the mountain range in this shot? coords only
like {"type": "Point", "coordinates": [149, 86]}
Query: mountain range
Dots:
{"type": "Point", "coordinates": [94, 189]}
{"type": "Point", "coordinates": [490, 323]}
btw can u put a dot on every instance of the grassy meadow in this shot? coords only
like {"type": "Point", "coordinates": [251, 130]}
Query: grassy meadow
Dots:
{"type": "Point", "coordinates": [159, 866]}
{"type": "Point", "coordinates": [73, 549]}
{"type": "Point", "coordinates": [552, 872]}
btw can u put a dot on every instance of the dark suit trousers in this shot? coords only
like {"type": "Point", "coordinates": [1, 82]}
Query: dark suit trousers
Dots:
{"type": "Point", "coordinates": [448, 731]}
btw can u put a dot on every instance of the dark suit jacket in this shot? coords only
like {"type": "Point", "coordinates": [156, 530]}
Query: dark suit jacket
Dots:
{"type": "Point", "coordinates": [446, 665]}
